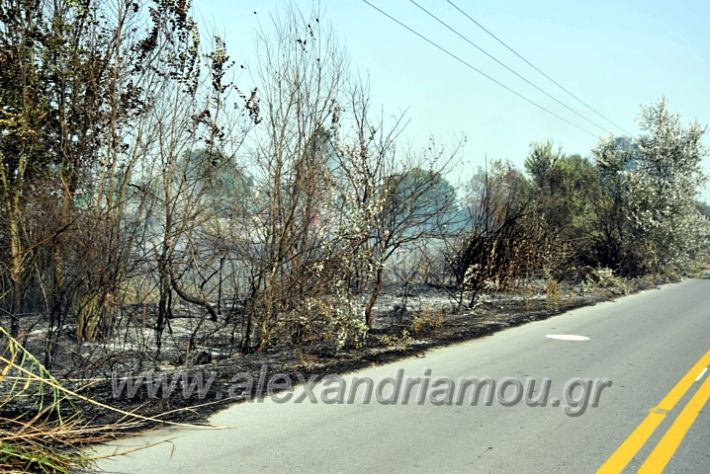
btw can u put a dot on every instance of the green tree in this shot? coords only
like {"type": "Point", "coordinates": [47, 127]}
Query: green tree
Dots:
{"type": "Point", "coordinates": [647, 216]}
{"type": "Point", "coordinates": [564, 188]}
{"type": "Point", "coordinates": [420, 200]}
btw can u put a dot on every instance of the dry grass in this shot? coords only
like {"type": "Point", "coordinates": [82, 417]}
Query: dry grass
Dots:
{"type": "Point", "coordinates": [40, 439]}
{"type": "Point", "coordinates": [553, 292]}
{"type": "Point", "coordinates": [39, 445]}
{"type": "Point", "coordinates": [428, 319]}
{"type": "Point", "coordinates": [48, 435]}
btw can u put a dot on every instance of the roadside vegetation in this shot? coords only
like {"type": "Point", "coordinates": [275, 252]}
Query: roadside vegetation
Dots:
{"type": "Point", "coordinates": [162, 209]}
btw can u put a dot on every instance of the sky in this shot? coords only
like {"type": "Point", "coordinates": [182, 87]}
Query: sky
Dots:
{"type": "Point", "coordinates": [614, 55]}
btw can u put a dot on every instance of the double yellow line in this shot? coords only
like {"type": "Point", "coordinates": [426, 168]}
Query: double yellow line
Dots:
{"type": "Point", "coordinates": [666, 447]}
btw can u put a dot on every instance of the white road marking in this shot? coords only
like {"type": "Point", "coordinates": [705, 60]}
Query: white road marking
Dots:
{"type": "Point", "coordinates": [567, 337]}
{"type": "Point", "coordinates": [701, 374]}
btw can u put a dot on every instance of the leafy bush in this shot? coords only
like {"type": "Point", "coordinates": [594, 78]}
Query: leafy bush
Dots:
{"type": "Point", "coordinates": [605, 278]}
{"type": "Point", "coordinates": [337, 319]}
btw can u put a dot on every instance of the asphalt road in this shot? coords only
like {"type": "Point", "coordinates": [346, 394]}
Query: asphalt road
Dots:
{"type": "Point", "coordinates": [652, 347]}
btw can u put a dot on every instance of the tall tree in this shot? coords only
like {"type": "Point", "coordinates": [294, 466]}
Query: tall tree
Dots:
{"type": "Point", "coordinates": [648, 217]}
{"type": "Point", "coordinates": [80, 82]}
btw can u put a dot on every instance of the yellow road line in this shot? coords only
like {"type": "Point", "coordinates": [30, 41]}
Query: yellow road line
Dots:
{"type": "Point", "coordinates": [631, 445]}
{"type": "Point", "coordinates": [664, 450]}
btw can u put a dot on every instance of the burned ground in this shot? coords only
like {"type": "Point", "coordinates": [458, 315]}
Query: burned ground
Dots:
{"type": "Point", "coordinates": [98, 369]}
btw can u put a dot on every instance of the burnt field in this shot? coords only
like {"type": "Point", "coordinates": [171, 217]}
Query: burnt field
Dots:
{"type": "Point", "coordinates": [202, 352]}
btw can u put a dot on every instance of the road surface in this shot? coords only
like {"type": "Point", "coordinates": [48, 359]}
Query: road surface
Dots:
{"type": "Point", "coordinates": [652, 347]}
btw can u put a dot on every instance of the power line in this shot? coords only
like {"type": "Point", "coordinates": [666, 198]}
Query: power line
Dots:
{"type": "Point", "coordinates": [501, 63]}
{"type": "Point", "coordinates": [474, 68]}
{"type": "Point", "coordinates": [571, 94]}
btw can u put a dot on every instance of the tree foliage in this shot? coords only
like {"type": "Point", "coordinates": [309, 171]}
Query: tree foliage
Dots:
{"type": "Point", "coordinates": [648, 219]}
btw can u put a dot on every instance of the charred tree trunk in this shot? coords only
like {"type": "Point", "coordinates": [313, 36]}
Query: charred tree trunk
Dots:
{"type": "Point", "coordinates": [373, 297]}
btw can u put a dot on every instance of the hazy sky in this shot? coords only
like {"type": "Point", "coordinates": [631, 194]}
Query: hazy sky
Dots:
{"type": "Point", "coordinates": [615, 55]}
